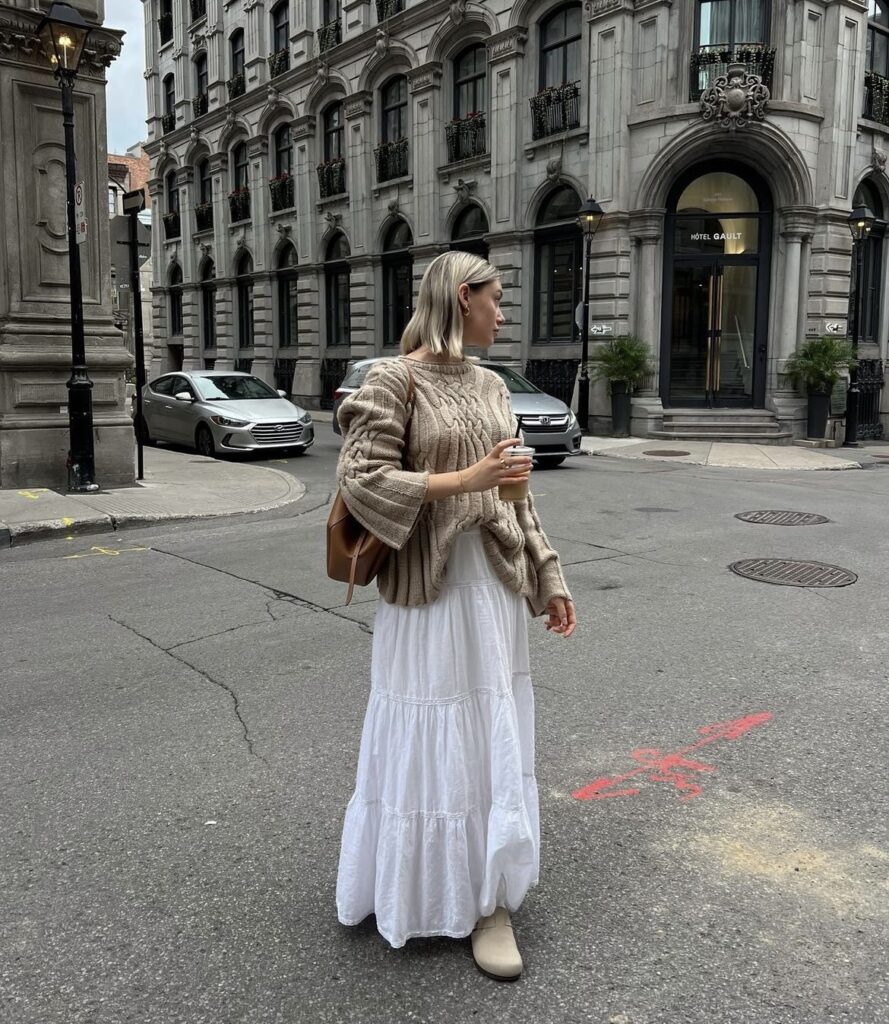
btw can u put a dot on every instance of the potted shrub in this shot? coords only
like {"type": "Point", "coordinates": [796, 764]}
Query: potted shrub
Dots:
{"type": "Point", "coordinates": [817, 365]}
{"type": "Point", "coordinates": [623, 362]}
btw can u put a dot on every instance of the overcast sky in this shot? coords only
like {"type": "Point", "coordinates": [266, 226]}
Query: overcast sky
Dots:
{"type": "Point", "coordinates": [125, 91]}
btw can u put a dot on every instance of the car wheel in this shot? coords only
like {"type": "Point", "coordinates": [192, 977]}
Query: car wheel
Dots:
{"type": "Point", "coordinates": [551, 463]}
{"type": "Point", "coordinates": [142, 433]}
{"type": "Point", "coordinates": [203, 441]}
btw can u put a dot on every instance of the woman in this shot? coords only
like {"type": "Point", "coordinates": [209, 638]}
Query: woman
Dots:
{"type": "Point", "coordinates": [441, 836]}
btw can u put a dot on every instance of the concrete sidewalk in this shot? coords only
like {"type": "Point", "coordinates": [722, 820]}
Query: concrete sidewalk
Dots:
{"type": "Point", "coordinates": [177, 485]}
{"type": "Point", "coordinates": [735, 456]}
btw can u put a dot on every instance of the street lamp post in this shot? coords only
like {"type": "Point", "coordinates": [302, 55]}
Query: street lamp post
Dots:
{"type": "Point", "coordinates": [63, 33]}
{"type": "Point", "coordinates": [861, 220]}
{"type": "Point", "coordinates": [588, 219]}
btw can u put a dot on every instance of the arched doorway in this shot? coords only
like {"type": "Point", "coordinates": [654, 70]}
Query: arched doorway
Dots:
{"type": "Point", "coordinates": [716, 289]}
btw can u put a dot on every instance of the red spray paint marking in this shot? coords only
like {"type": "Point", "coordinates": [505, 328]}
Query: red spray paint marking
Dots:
{"type": "Point", "coordinates": [672, 768]}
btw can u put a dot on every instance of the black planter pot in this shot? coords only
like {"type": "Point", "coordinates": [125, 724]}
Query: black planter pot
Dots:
{"type": "Point", "coordinates": [620, 409]}
{"type": "Point", "coordinates": [818, 411]}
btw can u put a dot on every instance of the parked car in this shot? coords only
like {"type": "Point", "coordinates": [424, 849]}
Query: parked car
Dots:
{"type": "Point", "coordinates": [222, 411]}
{"type": "Point", "coordinates": [547, 424]}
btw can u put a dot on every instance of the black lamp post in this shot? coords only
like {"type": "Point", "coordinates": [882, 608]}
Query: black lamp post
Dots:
{"type": "Point", "coordinates": [588, 219]}
{"type": "Point", "coordinates": [861, 220]}
{"type": "Point", "coordinates": [63, 34]}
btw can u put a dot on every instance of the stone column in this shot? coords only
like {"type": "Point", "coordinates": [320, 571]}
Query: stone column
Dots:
{"type": "Point", "coordinates": [505, 50]}
{"type": "Point", "coordinates": [260, 208]}
{"type": "Point", "coordinates": [425, 83]}
{"type": "Point", "coordinates": [357, 110]}
{"type": "Point", "coordinates": [505, 252]}
{"type": "Point", "coordinates": [362, 297]}
{"type": "Point", "coordinates": [303, 132]}
{"type": "Point", "coordinates": [307, 372]}
{"type": "Point", "coordinates": [646, 229]}
{"type": "Point", "coordinates": [220, 251]}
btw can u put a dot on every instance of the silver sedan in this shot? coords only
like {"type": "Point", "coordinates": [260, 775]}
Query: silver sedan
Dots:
{"type": "Point", "coordinates": [222, 411]}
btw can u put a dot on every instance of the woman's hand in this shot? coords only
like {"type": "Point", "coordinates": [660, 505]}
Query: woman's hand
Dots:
{"type": "Point", "coordinates": [562, 618]}
{"type": "Point", "coordinates": [496, 468]}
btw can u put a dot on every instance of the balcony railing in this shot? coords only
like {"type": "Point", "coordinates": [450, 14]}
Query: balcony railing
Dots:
{"type": "Point", "coordinates": [203, 217]}
{"type": "Point", "coordinates": [386, 8]}
{"type": "Point", "coordinates": [555, 109]}
{"type": "Point", "coordinates": [239, 204]}
{"type": "Point", "coordinates": [279, 62]}
{"type": "Point", "coordinates": [168, 122]}
{"type": "Point", "coordinates": [709, 62]}
{"type": "Point", "coordinates": [200, 104]}
{"type": "Point", "coordinates": [165, 27]}
{"type": "Point", "coordinates": [236, 85]}
{"type": "Point", "coordinates": [332, 177]}
{"type": "Point", "coordinates": [281, 188]}
{"type": "Point", "coordinates": [330, 35]}
{"type": "Point", "coordinates": [198, 9]}
{"type": "Point", "coordinates": [465, 137]}
{"type": "Point", "coordinates": [876, 97]}
{"type": "Point", "coordinates": [391, 160]}
{"type": "Point", "coordinates": [171, 224]}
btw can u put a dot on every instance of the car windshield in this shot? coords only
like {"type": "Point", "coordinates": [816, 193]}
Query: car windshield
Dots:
{"type": "Point", "coordinates": [233, 388]}
{"type": "Point", "coordinates": [515, 382]}
{"type": "Point", "coordinates": [355, 376]}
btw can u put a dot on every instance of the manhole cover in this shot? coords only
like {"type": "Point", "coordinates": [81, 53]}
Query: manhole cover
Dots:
{"type": "Point", "coordinates": [772, 517]}
{"type": "Point", "coordinates": [786, 572]}
{"type": "Point", "coordinates": [665, 452]}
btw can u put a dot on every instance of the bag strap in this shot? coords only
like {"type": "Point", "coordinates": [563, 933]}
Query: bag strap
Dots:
{"type": "Point", "coordinates": [410, 402]}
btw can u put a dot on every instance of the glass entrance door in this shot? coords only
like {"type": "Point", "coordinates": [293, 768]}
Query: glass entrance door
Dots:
{"type": "Point", "coordinates": [712, 336]}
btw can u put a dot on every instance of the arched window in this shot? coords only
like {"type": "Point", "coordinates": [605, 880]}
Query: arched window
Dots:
{"type": "Point", "coordinates": [871, 264]}
{"type": "Point", "coordinates": [470, 228]}
{"type": "Point", "coordinates": [165, 21]}
{"type": "Point", "coordinates": [470, 81]}
{"type": "Point", "coordinates": [208, 304]}
{"type": "Point", "coordinates": [557, 266]}
{"type": "Point", "coordinates": [560, 35]}
{"type": "Point", "coordinates": [176, 300]}
{"type": "Point", "coordinates": [236, 48]}
{"type": "Point", "coordinates": [280, 27]}
{"type": "Point", "coordinates": [171, 196]}
{"type": "Point", "coordinates": [336, 280]}
{"type": "Point", "coordinates": [398, 281]}
{"type": "Point", "coordinates": [288, 313]}
{"type": "Point", "coordinates": [244, 274]}
{"type": "Point", "coordinates": [170, 95]}
{"type": "Point", "coordinates": [391, 154]}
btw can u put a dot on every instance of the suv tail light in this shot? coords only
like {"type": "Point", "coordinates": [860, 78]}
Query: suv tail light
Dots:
{"type": "Point", "coordinates": [339, 393]}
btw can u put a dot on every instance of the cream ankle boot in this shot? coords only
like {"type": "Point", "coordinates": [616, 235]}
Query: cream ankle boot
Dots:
{"type": "Point", "coordinates": [494, 947]}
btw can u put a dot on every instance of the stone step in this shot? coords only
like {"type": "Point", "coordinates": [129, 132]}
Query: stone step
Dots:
{"type": "Point", "coordinates": [766, 437]}
{"type": "Point", "coordinates": [721, 426]}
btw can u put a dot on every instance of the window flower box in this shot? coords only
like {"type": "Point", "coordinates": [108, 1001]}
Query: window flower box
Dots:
{"type": "Point", "coordinates": [281, 188]}
{"type": "Point", "coordinates": [236, 85]}
{"type": "Point", "coordinates": [332, 177]}
{"type": "Point", "coordinates": [465, 137]}
{"type": "Point", "coordinates": [330, 35]}
{"type": "Point", "coordinates": [203, 217]}
{"type": "Point", "coordinates": [165, 27]}
{"type": "Point", "coordinates": [171, 224]}
{"type": "Point", "coordinates": [708, 62]}
{"type": "Point", "coordinates": [555, 109]}
{"type": "Point", "coordinates": [391, 160]}
{"type": "Point", "coordinates": [168, 122]}
{"type": "Point", "coordinates": [386, 8]}
{"type": "Point", "coordinates": [876, 97]}
{"type": "Point", "coordinates": [239, 204]}
{"type": "Point", "coordinates": [198, 9]}
{"type": "Point", "coordinates": [200, 104]}
{"type": "Point", "coordinates": [278, 62]}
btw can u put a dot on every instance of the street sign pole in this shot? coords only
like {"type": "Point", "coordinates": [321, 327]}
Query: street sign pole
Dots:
{"type": "Point", "coordinates": [133, 204]}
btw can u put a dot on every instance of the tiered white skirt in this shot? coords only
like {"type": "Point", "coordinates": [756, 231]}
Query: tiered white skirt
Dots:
{"type": "Point", "coordinates": [443, 825]}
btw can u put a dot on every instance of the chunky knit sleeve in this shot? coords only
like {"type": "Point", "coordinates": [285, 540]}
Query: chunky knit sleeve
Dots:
{"type": "Point", "coordinates": [384, 497]}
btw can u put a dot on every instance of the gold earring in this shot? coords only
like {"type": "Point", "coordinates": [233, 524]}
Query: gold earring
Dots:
{"type": "Point", "coordinates": [465, 310]}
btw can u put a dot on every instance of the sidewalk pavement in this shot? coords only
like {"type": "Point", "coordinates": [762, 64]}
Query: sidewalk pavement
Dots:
{"type": "Point", "coordinates": [736, 456]}
{"type": "Point", "coordinates": [177, 485]}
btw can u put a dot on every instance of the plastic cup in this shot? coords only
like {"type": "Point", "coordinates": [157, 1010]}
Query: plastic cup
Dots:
{"type": "Point", "coordinates": [515, 491]}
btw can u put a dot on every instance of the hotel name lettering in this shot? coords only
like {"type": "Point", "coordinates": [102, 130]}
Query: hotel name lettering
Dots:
{"type": "Point", "coordinates": [718, 236]}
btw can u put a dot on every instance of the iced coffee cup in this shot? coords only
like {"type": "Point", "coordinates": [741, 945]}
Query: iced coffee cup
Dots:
{"type": "Point", "coordinates": [515, 491]}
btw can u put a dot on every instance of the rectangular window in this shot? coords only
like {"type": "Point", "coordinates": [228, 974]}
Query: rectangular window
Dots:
{"type": "Point", "coordinates": [558, 289]}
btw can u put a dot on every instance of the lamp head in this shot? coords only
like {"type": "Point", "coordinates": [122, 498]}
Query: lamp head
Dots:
{"type": "Point", "coordinates": [63, 34]}
{"type": "Point", "coordinates": [589, 217]}
{"type": "Point", "coordinates": [861, 220]}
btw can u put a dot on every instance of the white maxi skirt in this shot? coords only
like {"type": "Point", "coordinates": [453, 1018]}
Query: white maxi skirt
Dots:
{"type": "Point", "coordinates": [443, 825]}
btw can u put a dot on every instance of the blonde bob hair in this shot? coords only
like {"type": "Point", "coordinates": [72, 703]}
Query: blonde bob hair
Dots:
{"type": "Point", "coordinates": [437, 322]}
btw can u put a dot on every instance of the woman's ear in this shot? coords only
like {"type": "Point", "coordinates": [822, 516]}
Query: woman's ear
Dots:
{"type": "Point", "coordinates": [463, 295]}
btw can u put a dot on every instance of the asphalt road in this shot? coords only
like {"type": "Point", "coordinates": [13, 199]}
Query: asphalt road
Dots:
{"type": "Point", "coordinates": [180, 722]}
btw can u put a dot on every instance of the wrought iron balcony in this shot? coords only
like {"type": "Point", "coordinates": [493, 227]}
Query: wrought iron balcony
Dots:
{"type": "Point", "coordinates": [709, 62]}
{"type": "Point", "coordinates": [279, 62]}
{"type": "Point", "coordinates": [876, 97]}
{"type": "Point", "coordinates": [332, 177]}
{"type": "Point", "coordinates": [165, 27]}
{"type": "Point", "coordinates": [171, 224]}
{"type": "Point", "coordinates": [200, 104]}
{"type": "Point", "coordinates": [239, 204]}
{"type": "Point", "coordinates": [555, 109]}
{"type": "Point", "coordinates": [466, 137]}
{"type": "Point", "coordinates": [391, 158]}
{"type": "Point", "coordinates": [168, 122]}
{"type": "Point", "coordinates": [281, 188]}
{"type": "Point", "coordinates": [236, 85]}
{"type": "Point", "coordinates": [203, 217]}
{"type": "Point", "coordinates": [198, 9]}
{"type": "Point", "coordinates": [386, 8]}
{"type": "Point", "coordinates": [330, 35]}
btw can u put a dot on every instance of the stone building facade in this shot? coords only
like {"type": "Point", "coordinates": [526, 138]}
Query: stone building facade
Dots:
{"type": "Point", "coordinates": [311, 157]}
{"type": "Point", "coordinates": [35, 331]}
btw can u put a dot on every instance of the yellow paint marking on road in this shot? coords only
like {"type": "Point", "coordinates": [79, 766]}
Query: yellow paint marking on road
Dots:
{"type": "Point", "coordinates": [34, 493]}
{"type": "Point", "coordinates": [97, 550]}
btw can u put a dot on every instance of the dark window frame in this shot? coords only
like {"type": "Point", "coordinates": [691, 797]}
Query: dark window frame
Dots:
{"type": "Point", "coordinates": [237, 52]}
{"type": "Point", "coordinates": [204, 181]}
{"type": "Point", "coordinates": [169, 85]}
{"type": "Point", "coordinates": [176, 328]}
{"type": "Point", "coordinates": [240, 168]}
{"type": "Point", "coordinates": [208, 304]}
{"type": "Point", "coordinates": [288, 319]}
{"type": "Point", "coordinates": [283, 152]}
{"type": "Point", "coordinates": [563, 44]}
{"type": "Point", "coordinates": [337, 292]}
{"type": "Point", "coordinates": [333, 134]}
{"type": "Point", "coordinates": [549, 236]}
{"type": "Point", "coordinates": [473, 241]}
{"type": "Point", "coordinates": [766, 8]}
{"type": "Point", "coordinates": [201, 73]}
{"type": "Point", "coordinates": [872, 276]}
{"type": "Point", "coordinates": [280, 15]}
{"type": "Point", "coordinates": [246, 310]}
{"type": "Point", "coordinates": [171, 191]}
{"type": "Point", "coordinates": [389, 107]}
{"type": "Point", "coordinates": [473, 80]}
{"type": "Point", "coordinates": [398, 284]}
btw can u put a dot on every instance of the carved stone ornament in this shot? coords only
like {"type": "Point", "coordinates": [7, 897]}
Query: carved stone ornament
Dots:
{"type": "Point", "coordinates": [878, 159]}
{"type": "Point", "coordinates": [206, 248]}
{"type": "Point", "coordinates": [554, 168]}
{"type": "Point", "coordinates": [174, 254]}
{"type": "Point", "coordinates": [392, 206]}
{"type": "Point", "coordinates": [457, 11]}
{"type": "Point", "coordinates": [464, 189]}
{"type": "Point", "coordinates": [333, 219]}
{"type": "Point", "coordinates": [148, 73]}
{"type": "Point", "coordinates": [230, 119]}
{"type": "Point", "coordinates": [241, 242]}
{"type": "Point", "coordinates": [272, 95]}
{"type": "Point", "coordinates": [322, 74]}
{"type": "Point", "coordinates": [283, 230]}
{"type": "Point", "coordinates": [382, 44]}
{"type": "Point", "coordinates": [192, 135]}
{"type": "Point", "coordinates": [735, 99]}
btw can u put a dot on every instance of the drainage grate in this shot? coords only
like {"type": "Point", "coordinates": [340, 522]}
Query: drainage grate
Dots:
{"type": "Point", "coordinates": [665, 452]}
{"type": "Point", "coordinates": [772, 517]}
{"type": "Point", "coordinates": [786, 572]}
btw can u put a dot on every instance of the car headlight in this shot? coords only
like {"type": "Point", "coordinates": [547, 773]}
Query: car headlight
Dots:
{"type": "Point", "coordinates": [572, 419]}
{"type": "Point", "coordinates": [226, 421]}
{"type": "Point", "coordinates": [305, 418]}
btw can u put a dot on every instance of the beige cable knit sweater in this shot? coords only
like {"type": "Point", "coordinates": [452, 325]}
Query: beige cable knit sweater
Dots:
{"type": "Point", "coordinates": [461, 410]}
